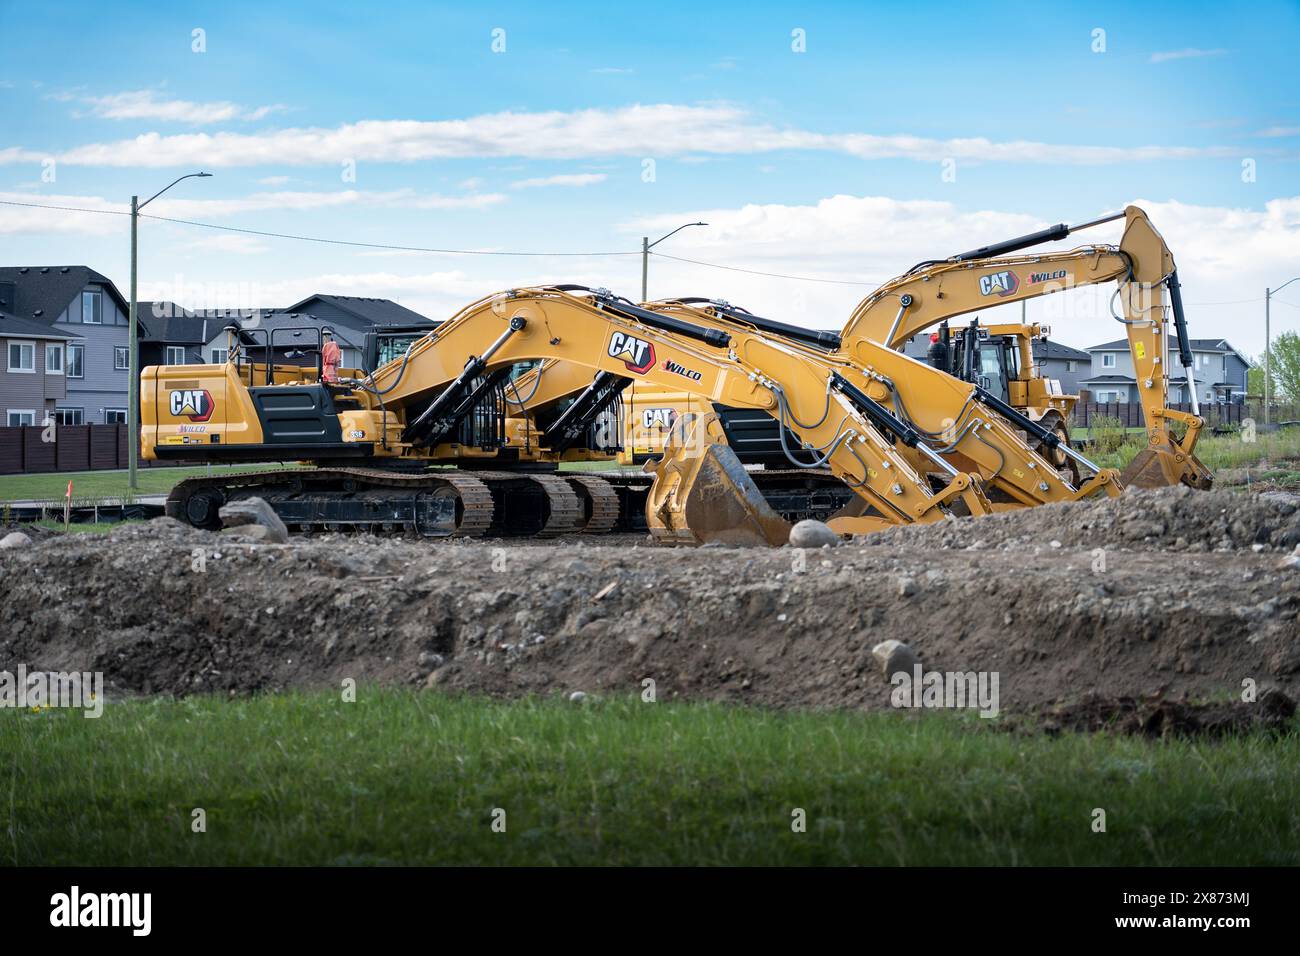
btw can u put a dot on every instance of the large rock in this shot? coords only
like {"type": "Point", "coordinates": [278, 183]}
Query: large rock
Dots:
{"type": "Point", "coordinates": [15, 539]}
{"type": "Point", "coordinates": [249, 513]}
{"type": "Point", "coordinates": [810, 533]}
{"type": "Point", "coordinates": [895, 656]}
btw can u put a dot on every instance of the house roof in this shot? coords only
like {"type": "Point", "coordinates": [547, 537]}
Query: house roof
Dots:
{"type": "Point", "coordinates": [345, 336]}
{"type": "Point", "coordinates": [169, 323]}
{"type": "Point", "coordinates": [367, 311]}
{"type": "Point", "coordinates": [43, 292]}
{"type": "Point", "coordinates": [1109, 380]}
{"type": "Point", "coordinates": [1198, 345]}
{"type": "Point", "coordinates": [12, 327]}
{"type": "Point", "coordinates": [1049, 349]}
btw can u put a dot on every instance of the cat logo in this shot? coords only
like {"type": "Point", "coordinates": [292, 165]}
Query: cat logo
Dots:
{"type": "Point", "coordinates": [194, 403]}
{"type": "Point", "coordinates": [637, 355]}
{"type": "Point", "coordinates": [1001, 284]}
{"type": "Point", "coordinates": [662, 418]}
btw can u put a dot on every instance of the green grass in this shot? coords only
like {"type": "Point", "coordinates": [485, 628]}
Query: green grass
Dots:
{"type": "Point", "coordinates": [596, 466]}
{"type": "Point", "coordinates": [90, 486]}
{"type": "Point", "coordinates": [409, 777]}
{"type": "Point", "coordinates": [1219, 451]}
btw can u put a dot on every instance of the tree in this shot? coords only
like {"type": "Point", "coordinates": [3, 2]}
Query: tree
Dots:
{"type": "Point", "coordinates": [1284, 361]}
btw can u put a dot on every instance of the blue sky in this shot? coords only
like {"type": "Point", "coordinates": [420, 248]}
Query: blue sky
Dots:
{"type": "Point", "coordinates": [827, 163]}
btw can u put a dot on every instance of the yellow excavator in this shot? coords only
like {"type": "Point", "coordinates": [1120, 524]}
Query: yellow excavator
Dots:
{"type": "Point", "coordinates": [373, 437]}
{"type": "Point", "coordinates": [933, 292]}
{"type": "Point", "coordinates": [876, 443]}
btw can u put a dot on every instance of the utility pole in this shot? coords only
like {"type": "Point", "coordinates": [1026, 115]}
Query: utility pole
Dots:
{"type": "Point", "coordinates": [646, 246]}
{"type": "Point", "coordinates": [1268, 346]}
{"type": "Point", "coordinates": [133, 348]}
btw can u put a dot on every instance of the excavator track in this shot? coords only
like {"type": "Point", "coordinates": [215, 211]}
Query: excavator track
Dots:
{"type": "Point", "coordinates": [441, 503]}
{"type": "Point", "coordinates": [462, 504]}
{"type": "Point", "coordinates": [600, 502]}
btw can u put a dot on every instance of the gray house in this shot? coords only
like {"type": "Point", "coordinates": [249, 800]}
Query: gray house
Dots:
{"type": "Point", "coordinates": [82, 309]}
{"type": "Point", "coordinates": [296, 328]}
{"type": "Point", "coordinates": [1218, 369]}
{"type": "Point", "coordinates": [33, 380]}
{"type": "Point", "coordinates": [1062, 362]}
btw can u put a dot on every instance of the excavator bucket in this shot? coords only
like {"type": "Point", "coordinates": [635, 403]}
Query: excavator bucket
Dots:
{"type": "Point", "coordinates": [1164, 465]}
{"type": "Point", "coordinates": [702, 494]}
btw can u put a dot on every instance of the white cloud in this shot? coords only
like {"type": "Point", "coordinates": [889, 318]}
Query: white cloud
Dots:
{"type": "Point", "coordinates": [22, 219]}
{"type": "Point", "coordinates": [1225, 259]}
{"type": "Point", "coordinates": [273, 180]}
{"type": "Point", "coordinates": [15, 220]}
{"type": "Point", "coordinates": [1189, 53]}
{"type": "Point", "coordinates": [574, 179]}
{"type": "Point", "coordinates": [657, 130]}
{"type": "Point", "coordinates": [1280, 131]}
{"type": "Point", "coordinates": [231, 242]}
{"type": "Point", "coordinates": [145, 105]}
{"type": "Point", "coordinates": [612, 69]}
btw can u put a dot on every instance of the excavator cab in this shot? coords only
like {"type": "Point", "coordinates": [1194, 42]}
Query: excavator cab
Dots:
{"type": "Point", "coordinates": [973, 355]}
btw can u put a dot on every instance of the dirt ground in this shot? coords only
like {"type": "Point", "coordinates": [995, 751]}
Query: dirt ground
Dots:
{"type": "Point", "coordinates": [1154, 598]}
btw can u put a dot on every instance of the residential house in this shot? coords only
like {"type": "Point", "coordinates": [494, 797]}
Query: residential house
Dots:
{"type": "Point", "coordinates": [33, 380]}
{"type": "Point", "coordinates": [294, 333]}
{"type": "Point", "coordinates": [82, 309]}
{"type": "Point", "coordinates": [172, 335]}
{"type": "Point", "coordinates": [1064, 363]}
{"type": "Point", "coordinates": [1219, 372]}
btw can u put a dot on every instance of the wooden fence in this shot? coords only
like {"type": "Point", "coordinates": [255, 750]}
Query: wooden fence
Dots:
{"type": "Point", "coordinates": [75, 448]}
{"type": "Point", "coordinates": [1215, 415]}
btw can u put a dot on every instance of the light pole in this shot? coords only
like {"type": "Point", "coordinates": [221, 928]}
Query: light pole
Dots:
{"type": "Point", "coordinates": [1268, 296]}
{"type": "Point", "coordinates": [647, 245]}
{"type": "Point", "coordinates": [133, 350]}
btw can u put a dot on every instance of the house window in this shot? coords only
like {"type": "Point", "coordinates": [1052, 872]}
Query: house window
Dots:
{"type": "Point", "coordinates": [53, 359]}
{"type": "Point", "coordinates": [1108, 360]}
{"type": "Point", "coordinates": [219, 356]}
{"type": "Point", "coordinates": [175, 355]}
{"type": "Point", "coordinates": [76, 361]}
{"type": "Point", "coordinates": [70, 416]}
{"type": "Point", "coordinates": [92, 308]}
{"type": "Point", "coordinates": [115, 416]}
{"type": "Point", "coordinates": [21, 416]}
{"type": "Point", "coordinates": [22, 357]}
{"type": "Point", "coordinates": [121, 359]}
{"type": "Point", "coordinates": [1069, 365]}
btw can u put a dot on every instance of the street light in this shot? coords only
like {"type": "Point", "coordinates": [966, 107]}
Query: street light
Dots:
{"type": "Point", "coordinates": [1268, 295]}
{"type": "Point", "coordinates": [647, 245]}
{"type": "Point", "coordinates": [133, 350]}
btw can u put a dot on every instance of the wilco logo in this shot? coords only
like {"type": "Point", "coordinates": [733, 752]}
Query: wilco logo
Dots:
{"type": "Point", "coordinates": [672, 366]}
{"type": "Point", "coordinates": [1037, 278]}
{"type": "Point", "coordinates": [194, 403]}
{"type": "Point", "coordinates": [999, 283]}
{"type": "Point", "coordinates": [637, 354]}
{"type": "Point", "coordinates": [133, 910]}
{"type": "Point", "coordinates": [658, 418]}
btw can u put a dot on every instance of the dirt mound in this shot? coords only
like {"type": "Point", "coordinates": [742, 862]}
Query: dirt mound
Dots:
{"type": "Point", "coordinates": [164, 608]}
{"type": "Point", "coordinates": [1177, 519]}
{"type": "Point", "coordinates": [1274, 712]}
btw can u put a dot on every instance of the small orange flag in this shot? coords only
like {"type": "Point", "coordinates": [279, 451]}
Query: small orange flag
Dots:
{"type": "Point", "coordinates": [69, 494]}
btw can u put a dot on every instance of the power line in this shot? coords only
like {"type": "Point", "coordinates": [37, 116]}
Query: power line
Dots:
{"type": "Point", "coordinates": [319, 239]}
{"type": "Point", "coordinates": [772, 275]}
{"type": "Point", "coordinates": [490, 252]}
